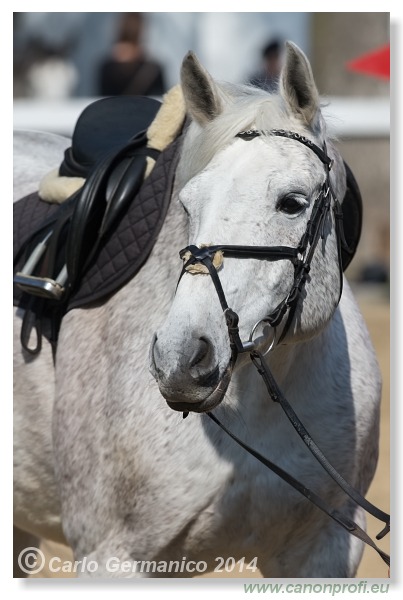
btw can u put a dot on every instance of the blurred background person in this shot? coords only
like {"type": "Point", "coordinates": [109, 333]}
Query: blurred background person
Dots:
{"type": "Point", "coordinates": [42, 64]}
{"type": "Point", "coordinates": [128, 70]}
{"type": "Point", "coordinates": [51, 74]}
{"type": "Point", "coordinates": [267, 78]}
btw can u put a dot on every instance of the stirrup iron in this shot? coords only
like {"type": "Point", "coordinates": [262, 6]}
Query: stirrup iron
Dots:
{"type": "Point", "coordinates": [45, 287]}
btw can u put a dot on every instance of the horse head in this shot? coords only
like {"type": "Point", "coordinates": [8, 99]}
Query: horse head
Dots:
{"type": "Point", "coordinates": [241, 185]}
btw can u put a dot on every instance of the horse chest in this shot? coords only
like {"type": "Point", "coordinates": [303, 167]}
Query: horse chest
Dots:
{"type": "Point", "coordinates": [256, 514]}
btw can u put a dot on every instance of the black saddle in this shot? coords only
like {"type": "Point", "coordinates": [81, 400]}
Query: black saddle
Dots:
{"type": "Point", "coordinates": [109, 150]}
{"type": "Point", "coordinates": [104, 128]}
{"type": "Point", "coordinates": [87, 234]}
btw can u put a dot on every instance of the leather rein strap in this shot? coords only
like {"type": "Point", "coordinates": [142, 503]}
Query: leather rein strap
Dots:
{"type": "Point", "coordinates": [301, 258]}
{"type": "Point", "coordinates": [334, 514]}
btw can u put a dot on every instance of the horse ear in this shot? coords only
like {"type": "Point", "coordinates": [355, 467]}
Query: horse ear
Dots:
{"type": "Point", "coordinates": [200, 92]}
{"type": "Point", "coordinates": [297, 85]}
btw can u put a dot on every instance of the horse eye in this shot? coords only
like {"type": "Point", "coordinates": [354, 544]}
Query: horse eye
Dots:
{"type": "Point", "coordinates": [290, 205]}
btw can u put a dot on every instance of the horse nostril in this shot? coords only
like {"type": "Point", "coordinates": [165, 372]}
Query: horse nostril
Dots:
{"type": "Point", "coordinates": [201, 354]}
{"type": "Point", "coordinates": [154, 357]}
{"type": "Point", "coordinates": [202, 367]}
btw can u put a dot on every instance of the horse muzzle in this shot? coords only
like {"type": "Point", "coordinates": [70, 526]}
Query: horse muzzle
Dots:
{"type": "Point", "coordinates": [189, 375]}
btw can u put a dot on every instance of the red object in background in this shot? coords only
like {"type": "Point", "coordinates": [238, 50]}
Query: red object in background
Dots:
{"type": "Point", "coordinates": [376, 63]}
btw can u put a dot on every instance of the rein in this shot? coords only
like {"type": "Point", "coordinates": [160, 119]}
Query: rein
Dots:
{"type": "Point", "coordinates": [301, 258]}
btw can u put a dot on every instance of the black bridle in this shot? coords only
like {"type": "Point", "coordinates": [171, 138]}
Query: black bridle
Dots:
{"type": "Point", "coordinates": [301, 258]}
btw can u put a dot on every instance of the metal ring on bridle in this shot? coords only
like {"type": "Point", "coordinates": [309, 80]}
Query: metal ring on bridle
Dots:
{"type": "Point", "coordinates": [272, 343]}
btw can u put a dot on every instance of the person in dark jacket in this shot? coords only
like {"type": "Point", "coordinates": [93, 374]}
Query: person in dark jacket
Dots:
{"type": "Point", "coordinates": [128, 70]}
{"type": "Point", "coordinates": [267, 78]}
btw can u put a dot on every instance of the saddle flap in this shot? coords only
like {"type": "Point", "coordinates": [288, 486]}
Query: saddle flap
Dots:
{"type": "Point", "coordinates": [352, 217]}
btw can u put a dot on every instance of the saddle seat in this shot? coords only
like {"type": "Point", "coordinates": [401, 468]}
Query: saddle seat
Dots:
{"type": "Point", "coordinates": [104, 128]}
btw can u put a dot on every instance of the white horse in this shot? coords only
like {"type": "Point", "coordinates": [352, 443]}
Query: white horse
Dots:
{"type": "Point", "coordinates": [104, 464]}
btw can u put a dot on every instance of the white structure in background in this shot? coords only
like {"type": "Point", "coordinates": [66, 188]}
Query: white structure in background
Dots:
{"type": "Point", "coordinates": [53, 79]}
{"type": "Point", "coordinates": [346, 117]}
{"type": "Point", "coordinates": [229, 44]}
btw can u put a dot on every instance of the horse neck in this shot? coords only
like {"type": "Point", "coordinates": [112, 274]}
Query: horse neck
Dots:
{"type": "Point", "coordinates": [295, 366]}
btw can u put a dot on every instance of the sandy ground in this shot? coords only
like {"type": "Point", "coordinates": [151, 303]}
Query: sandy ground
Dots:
{"type": "Point", "coordinates": [375, 307]}
{"type": "Point", "coordinates": [376, 313]}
